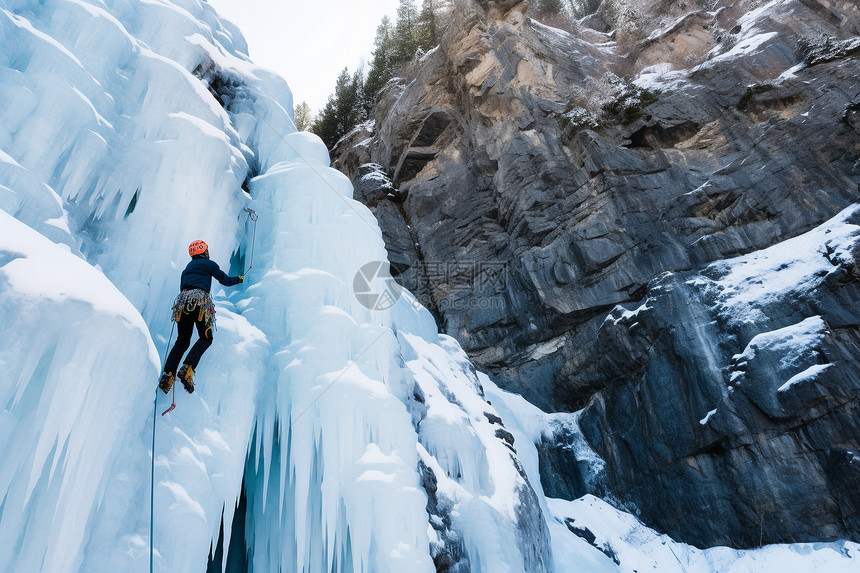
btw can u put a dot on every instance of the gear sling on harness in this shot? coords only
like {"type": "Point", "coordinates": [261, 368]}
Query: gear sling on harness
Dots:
{"type": "Point", "coordinates": [193, 307]}
{"type": "Point", "coordinates": [191, 299]}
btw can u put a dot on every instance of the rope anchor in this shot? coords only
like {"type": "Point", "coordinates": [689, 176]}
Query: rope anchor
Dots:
{"type": "Point", "coordinates": [252, 215]}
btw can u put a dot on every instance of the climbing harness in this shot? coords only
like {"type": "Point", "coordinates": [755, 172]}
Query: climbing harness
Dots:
{"type": "Point", "coordinates": [194, 299]}
{"type": "Point", "coordinates": [252, 215]}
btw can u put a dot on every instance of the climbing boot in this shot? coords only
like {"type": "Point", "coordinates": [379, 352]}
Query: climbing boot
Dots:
{"type": "Point", "coordinates": [186, 374]}
{"type": "Point", "coordinates": [166, 382]}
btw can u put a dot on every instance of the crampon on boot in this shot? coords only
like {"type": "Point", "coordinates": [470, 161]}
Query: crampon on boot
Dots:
{"type": "Point", "coordinates": [186, 374]}
{"type": "Point", "coordinates": [166, 382]}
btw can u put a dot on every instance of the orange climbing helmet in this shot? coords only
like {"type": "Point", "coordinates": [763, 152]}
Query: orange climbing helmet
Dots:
{"type": "Point", "coordinates": [197, 248]}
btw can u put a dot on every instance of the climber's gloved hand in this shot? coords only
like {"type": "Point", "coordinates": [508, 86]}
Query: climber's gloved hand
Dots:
{"type": "Point", "coordinates": [241, 278]}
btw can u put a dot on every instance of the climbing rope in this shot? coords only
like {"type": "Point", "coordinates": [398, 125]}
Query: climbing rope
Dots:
{"type": "Point", "coordinates": [152, 481]}
{"type": "Point", "coordinates": [252, 215]}
{"type": "Point", "coordinates": [152, 470]}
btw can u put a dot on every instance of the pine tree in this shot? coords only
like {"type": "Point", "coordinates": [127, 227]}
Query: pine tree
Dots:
{"type": "Point", "coordinates": [582, 8]}
{"type": "Point", "coordinates": [328, 124]}
{"type": "Point", "coordinates": [396, 44]}
{"type": "Point", "coordinates": [325, 124]}
{"type": "Point", "coordinates": [343, 110]}
{"type": "Point", "coordinates": [426, 36]}
{"type": "Point", "coordinates": [352, 111]}
{"type": "Point", "coordinates": [381, 67]}
{"type": "Point", "coordinates": [405, 41]}
{"type": "Point", "coordinates": [304, 116]}
{"type": "Point", "coordinates": [549, 8]}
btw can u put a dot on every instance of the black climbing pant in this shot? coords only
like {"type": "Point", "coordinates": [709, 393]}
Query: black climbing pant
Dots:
{"type": "Point", "coordinates": [187, 322]}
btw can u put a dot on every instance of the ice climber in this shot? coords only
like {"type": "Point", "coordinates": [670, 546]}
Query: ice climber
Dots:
{"type": "Point", "coordinates": [193, 307]}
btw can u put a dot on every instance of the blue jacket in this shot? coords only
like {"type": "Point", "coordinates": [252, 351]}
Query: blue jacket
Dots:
{"type": "Point", "coordinates": [199, 272]}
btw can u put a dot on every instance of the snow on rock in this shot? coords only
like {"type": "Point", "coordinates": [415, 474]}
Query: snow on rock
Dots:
{"type": "Point", "coordinates": [596, 536]}
{"type": "Point", "coordinates": [707, 417]}
{"type": "Point", "coordinates": [807, 375]}
{"type": "Point", "coordinates": [792, 342]}
{"type": "Point", "coordinates": [751, 38]}
{"type": "Point", "coordinates": [621, 314]}
{"type": "Point", "coordinates": [637, 548]}
{"type": "Point", "coordinates": [744, 285]}
{"type": "Point", "coordinates": [469, 453]}
{"type": "Point", "coordinates": [745, 291]}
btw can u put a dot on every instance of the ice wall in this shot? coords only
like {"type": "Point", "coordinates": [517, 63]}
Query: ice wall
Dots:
{"type": "Point", "coordinates": [75, 357]}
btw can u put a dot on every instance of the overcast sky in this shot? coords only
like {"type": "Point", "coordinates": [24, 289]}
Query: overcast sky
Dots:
{"type": "Point", "coordinates": [307, 42]}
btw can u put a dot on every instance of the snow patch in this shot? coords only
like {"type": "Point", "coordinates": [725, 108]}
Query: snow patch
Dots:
{"type": "Point", "coordinates": [807, 375]}
{"type": "Point", "coordinates": [744, 284]}
{"type": "Point", "coordinates": [707, 418]}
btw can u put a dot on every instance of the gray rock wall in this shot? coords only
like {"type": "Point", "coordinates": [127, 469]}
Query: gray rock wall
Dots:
{"type": "Point", "coordinates": [699, 436]}
{"type": "Point", "coordinates": [537, 186]}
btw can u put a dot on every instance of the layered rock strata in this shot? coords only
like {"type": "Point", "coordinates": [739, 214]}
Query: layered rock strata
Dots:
{"type": "Point", "coordinates": [530, 182]}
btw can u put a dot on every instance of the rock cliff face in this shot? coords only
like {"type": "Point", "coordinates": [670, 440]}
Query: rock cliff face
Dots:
{"type": "Point", "coordinates": [573, 208]}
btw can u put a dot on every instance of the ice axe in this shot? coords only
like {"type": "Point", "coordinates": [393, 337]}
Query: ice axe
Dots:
{"type": "Point", "coordinates": [252, 215]}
